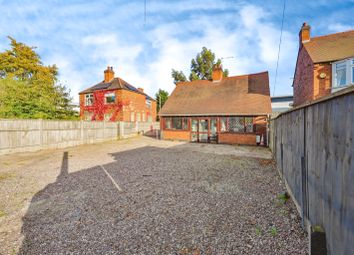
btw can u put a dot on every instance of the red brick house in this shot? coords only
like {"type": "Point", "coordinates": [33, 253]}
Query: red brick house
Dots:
{"type": "Point", "coordinates": [230, 110]}
{"type": "Point", "coordinates": [114, 99]}
{"type": "Point", "coordinates": [325, 64]}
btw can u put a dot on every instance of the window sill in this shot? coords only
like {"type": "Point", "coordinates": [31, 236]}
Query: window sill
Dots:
{"type": "Point", "coordinates": [179, 130]}
{"type": "Point", "coordinates": [238, 133]}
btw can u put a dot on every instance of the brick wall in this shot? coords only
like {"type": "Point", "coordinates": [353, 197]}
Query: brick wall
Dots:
{"type": "Point", "coordinates": [133, 104]}
{"type": "Point", "coordinates": [234, 138]}
{"type": "Point", "coordinates": [176, 135]}
{"type": "Point", "coordinates": [322, 86]}
{"type": "Point", "coordinates": [304, 78]}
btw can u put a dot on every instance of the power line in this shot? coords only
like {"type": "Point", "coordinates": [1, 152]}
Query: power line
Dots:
{"type": "Point", "coordinates": [144, 12]}
{"type": "Point", "coordinates": [281, 34]}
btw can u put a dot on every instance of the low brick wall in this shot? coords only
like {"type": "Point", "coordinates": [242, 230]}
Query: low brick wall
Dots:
{"type": "Point", "coordinates": [235, 138]}
{"type": "Point", "coordinates": [176, 135]}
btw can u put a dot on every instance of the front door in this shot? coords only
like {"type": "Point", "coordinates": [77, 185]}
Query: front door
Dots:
{"type": "Point", "coordinates": [203, 130]}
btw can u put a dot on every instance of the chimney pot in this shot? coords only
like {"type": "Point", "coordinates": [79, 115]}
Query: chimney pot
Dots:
{"type": "Point", "coordinates": [217, 73]}
{"type": "Point", "coordinates": [108, 74]}
{"type": "Point", "coordinates": [304, 35]}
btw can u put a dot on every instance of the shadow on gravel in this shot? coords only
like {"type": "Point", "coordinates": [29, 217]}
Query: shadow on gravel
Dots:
{"type": "Point", "coordinates": [173, 202]}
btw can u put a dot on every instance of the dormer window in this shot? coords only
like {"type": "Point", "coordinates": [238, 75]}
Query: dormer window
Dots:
{"type": "Point", "coordinates": [88, 99]}
{"type": "Point", "coordinates": [343, 74]}
{"type": "Point", "coordinates": [110, 98]}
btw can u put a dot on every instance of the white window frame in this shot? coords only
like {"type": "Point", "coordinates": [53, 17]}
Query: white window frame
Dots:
{"type": "Point", "coordinates": [109, 94]}
{"type": "Point", "coordinates": [349, 74]}
{"type": "Point", "coordinates": [89, 99]}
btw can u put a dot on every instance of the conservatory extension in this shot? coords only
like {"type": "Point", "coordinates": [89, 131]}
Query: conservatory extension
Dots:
{"type": "Point", "coordinates": [231, 110]}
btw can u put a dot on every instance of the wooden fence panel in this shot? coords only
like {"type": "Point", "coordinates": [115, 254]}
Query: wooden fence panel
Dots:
{"type": "Point", "coordinates": [30, 135]}
{"type": "Point", "coordinates": [314, 150]}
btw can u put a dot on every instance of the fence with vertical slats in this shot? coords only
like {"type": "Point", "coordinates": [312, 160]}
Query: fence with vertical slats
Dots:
{"type": "Point", "coordinates": [314, 150]}
{"type": "Point", "coordinates": [30, 135]}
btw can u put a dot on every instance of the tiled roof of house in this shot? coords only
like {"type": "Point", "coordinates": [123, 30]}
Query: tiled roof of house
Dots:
{"type": "Point", "coordinates": [331, 47]}
{"type": "Point", "coordinates": [237, 95]}
{"type": "Point", "coordinates": [115, 83]}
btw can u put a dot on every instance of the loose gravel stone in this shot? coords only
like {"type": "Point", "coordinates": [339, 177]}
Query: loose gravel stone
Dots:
{"type": "Point", "coordinates": [177, 199]}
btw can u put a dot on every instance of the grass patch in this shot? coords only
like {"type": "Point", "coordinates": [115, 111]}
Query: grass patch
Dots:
{"type": "Point", "coordinates": [258, 231]}
{"type": "Point", "coordinates": [4, 176]}
{"type": "Point", "coordinates": [283, 197]}
{"type": "Point", "coordinates": [273, 231]}
{"type": "Point", "coordinates": [2, 214]}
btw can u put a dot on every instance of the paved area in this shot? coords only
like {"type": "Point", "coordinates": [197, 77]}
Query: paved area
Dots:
{"type": "Point", "coordinates": [144, 196]}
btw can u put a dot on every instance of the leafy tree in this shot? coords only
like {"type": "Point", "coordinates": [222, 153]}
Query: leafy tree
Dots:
{"type": "Point", "coordinates": [29, 89]}
{"type": "Point", "coordinates": [201, 67]}
{"type": "Point", "coordinates": [178, 76]}
{"type": "Point", "coordinates": [161, 98]}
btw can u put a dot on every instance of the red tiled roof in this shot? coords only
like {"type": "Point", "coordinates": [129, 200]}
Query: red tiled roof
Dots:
{"type": "Point", "coordinates": [331, 47]}
{"type": "Point", "coordinates": [237, 95]}
{"type": "Point", "coordinates": [115, 83]}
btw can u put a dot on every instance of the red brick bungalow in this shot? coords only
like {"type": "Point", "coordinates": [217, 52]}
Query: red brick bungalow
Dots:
{"type": "Point", "coordinates": [114, 99]}
{"type": "Point", "coordinates": [325, 64]}
{"type": "Point", "coordinates": [231, 110]}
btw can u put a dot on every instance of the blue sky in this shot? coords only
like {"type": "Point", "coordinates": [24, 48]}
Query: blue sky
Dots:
{"type": "Point", "coordinates": [83, 37]}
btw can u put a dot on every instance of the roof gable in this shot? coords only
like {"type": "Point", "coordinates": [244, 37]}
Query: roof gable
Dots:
{"type": "Point", "coordinates": [238, 95]}
{"type": "Point", "coordinates": [331, 47]}
{"type": "Point", "coordinates": [115, 83]}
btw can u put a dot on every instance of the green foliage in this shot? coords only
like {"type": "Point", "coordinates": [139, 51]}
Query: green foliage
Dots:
{"type": "Point", "coordinates": [201, 67]}
{"type": "Point", "coordinates": [273, 231]}
{"type": "Point", "coordinates": [28, 89]}
{"type": "Point", "coordinates": [178, 76]}
{"type": "Point", "coordinates": [283, 197]}
{"type": "Point", "coordinates": [161, 97]}
{"type": "Point", "coordinates": [258, 231]}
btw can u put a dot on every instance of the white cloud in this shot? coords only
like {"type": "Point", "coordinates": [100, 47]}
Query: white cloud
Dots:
{"type": "Point", "coordinates": [338, 27]}
{"type": "Point", "coordinates": [83, 38]}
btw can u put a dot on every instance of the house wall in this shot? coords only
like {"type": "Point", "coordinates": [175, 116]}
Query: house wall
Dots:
{"type": "Point", "coordinates": [128, 102]}
{"type": "Point", "coordinates": [234, 138]}
{"type": "Point", "coordinates": [322, 86]}
{"type": "Point", "coordinates": [304, 78]}
{"type": "Point", "coordinates": [176, 135]}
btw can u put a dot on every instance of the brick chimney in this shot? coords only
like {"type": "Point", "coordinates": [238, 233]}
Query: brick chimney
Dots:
{"type": "Point", "coordinates": [304, 35]}
{"type": "Point", "coordinates": [141, 90]}
{"type": "Point", "coordinates": [217, 73]}
{"type": "Point", "coordinates": [108, 74]}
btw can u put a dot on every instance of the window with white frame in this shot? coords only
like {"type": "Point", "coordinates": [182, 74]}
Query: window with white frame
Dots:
{"type": "Point", "coordinates": [110, 98]}
{"type": "Point", "coordinates": [343, 73]}
{"type": "Point", "coordinates": [89, 99]}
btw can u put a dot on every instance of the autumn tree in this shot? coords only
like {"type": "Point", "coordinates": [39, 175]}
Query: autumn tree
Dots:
{"type": "Point", "coordinates": [201, 67]}
{"type": "Point", "coordinates": [30, 89]}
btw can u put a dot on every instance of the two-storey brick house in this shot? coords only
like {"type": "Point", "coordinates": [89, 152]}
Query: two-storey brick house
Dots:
{"type": "Point", "coordinates": [325, 64]}
{"type": "Point", "coordinates": [114, 99]}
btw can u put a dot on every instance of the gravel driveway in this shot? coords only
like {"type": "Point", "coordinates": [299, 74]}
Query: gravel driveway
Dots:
{"type": "Point", "coordinates": [143, 196]}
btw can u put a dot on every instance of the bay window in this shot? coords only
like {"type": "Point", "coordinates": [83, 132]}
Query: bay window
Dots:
{"type": "Point", "coordinates": [237, 124]}
{"type": "Point", "coordinates": [176, 123]}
